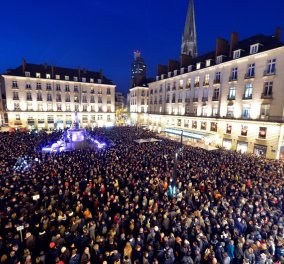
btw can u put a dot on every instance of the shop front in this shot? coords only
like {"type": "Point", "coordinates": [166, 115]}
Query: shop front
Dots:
{"type": "Point", "coordinates": [260, 150]}
{"type": "Point", "coordinates": [190, 136]}
{"type": "Point", "coordinates": [227, 144]}
{"type": "Point", "coordinates": [242, 146]}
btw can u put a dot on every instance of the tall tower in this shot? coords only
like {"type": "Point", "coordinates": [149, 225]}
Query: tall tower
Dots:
{"type": "Point", "coordinates": [138, 69]}
{"type": "Point", "coordinates": [189, 43]}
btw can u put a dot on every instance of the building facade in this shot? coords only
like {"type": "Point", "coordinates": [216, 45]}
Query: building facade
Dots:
{"type": "Point", "coordinates": [120, 101]}
{"type": "Point", "coordinates": [231, 97]}
{"type": "Point", "coordinates": [42, 96]}
{"type": "Point", "coordinates": [139, 104]}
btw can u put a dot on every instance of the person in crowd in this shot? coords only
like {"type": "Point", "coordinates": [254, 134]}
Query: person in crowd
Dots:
{"type": "Point", "coordinates": [114, 204]}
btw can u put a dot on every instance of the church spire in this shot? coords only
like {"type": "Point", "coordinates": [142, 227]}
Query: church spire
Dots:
{"type": "Point", "coordinates": [189, 43]}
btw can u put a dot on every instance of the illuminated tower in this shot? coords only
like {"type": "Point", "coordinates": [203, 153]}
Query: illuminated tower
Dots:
{"type": "Point", "coordinates": [138, 69]}
{"type": "Point", "coordinates": [189, 43]}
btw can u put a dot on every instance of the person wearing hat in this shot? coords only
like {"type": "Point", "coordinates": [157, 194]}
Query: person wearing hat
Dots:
{"type": "Point", "coordinates": [52, 254]}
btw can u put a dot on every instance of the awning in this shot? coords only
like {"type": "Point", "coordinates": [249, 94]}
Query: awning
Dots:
{"type": "Point", "coordinates": [147, 140]}
{"type": "Point", "coordinates": [189, 134]}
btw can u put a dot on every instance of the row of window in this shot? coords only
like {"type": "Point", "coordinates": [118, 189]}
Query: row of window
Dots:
{"type": "Point", "coordinates": [248, 91]}
{"type": "Point", "coordinates": [58, 77]}
{"type": "Point", "coordinates": [58, 88]}
{"type": "Point", "coordinates": [262, 133]}
{"type": "Point", "coordinates": [39, 97]}
{"type": "Point", "coordinates": [50, 118]}
{"type": "Point", "coordinates": [270, 70]}
{"type": "Point", "coordinates": [59, 108]}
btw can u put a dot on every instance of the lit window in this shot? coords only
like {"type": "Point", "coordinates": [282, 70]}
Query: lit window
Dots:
{"type": "Point", "coordinates": [84, 79]}
{"type": "Point", "coordinates": [208, 62]}
{"type": "Point", "coordinates": [198, 65]}
{"type": "Point", "coordinates": [47, 76]}
{"type": "Point", "coordinates": [27, 74]}
{"type": "Point", "coordinates": [262, 132]}
{"type": "Point", "coordinates": [37, 75]}
{"type": "Point", "coordinates": [91, 80]}
{"type": "Point", "coordinates": [57, 77]}
{"type": "Point", "coordinates": [66, 78]}
{"type": "Point", "coordinates": [75, 79]}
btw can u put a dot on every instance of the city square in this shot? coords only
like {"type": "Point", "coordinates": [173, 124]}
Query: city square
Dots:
{"type": "Point", "coordinates": [139, 162]}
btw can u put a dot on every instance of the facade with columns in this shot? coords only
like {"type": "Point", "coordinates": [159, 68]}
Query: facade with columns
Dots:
{"type": "Point", "coordinates": [231, 97]}
{"type": "Point", "coordinates": [42, 96]}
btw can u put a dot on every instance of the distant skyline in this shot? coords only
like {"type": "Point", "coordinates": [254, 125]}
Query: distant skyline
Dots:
{"type": "Point", "coordinates": [104, 34]}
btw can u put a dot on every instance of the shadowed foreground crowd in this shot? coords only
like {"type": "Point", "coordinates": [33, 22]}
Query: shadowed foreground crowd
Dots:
{"type": "Point", "coordinates": [113, 205]}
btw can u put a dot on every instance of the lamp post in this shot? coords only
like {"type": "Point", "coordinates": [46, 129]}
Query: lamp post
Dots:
{"type": "Point", "coordinates": [173, 188]}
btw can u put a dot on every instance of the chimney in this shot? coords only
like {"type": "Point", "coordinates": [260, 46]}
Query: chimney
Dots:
{"type": "Point", "coordinates": [24, 64]}
{"type": "Point", "coordinates": [162, 69]}
{"type": "Point", "coordinates": [278, 32]}
{"type": "Point", "coordinates": [79, 73]}
{"type": "Point", "coordinates": [173, 65]}
{"type": "Point", "coordinates": [222, 47]}
{"type": "Point", "coordinates": [234, 42]}
{"type": "Point", "coordinates": [52, 71]}
{"type": "Point", "coordinates": [185, 60]}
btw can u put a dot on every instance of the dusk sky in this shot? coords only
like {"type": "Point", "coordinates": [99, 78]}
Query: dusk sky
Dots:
{"type": "Point", "coordinates": [103, 34]}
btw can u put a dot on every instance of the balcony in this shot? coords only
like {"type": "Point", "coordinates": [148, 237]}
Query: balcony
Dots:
{"type": "Point", "coordinates": [195, 100]}
{"type": "Point", "coordinates": [39, 99]}
{"type": "Point", "coordinates": [179, 100]}
{"type": "Point", "coordinates": [58, 100]}
{"type": "Point", "coordinates": [215, 98]}
{"type": "Point", "coordinates": [217, 81]}
{"type": "Point", "coordinates": [29, 99]}
{"type": "Point", "coordinates": [196, 84]}
{"type": "Point", "coordinates": [269, 73]}
{"type": "Point", "coordinates": [231, 97]}
{"type": "Point", "coordinates": [204, 98]}
{"type": "Point", "coordinates": [249, 76]}
{"type": "Point", "coordinates": [67, 100]}
{"type": "Point", "coordinates": [233, 78]}
{"type": "Point", "coordinates": [49, 99]}
{"type": "Point", "coordinates": [16, 98]}
{"type": "Point", "coordinates": [247, 97]}
{"type": "Point", "coordinates": [15, 86]}
{"type": "Point", "coordinates": [173, 100]}
{"type": "Point", "coordinates": [187, 100]}
{"type": "Point", "coordinates": [168, 101]}
{"type": "Point", "coordinates": [266, 96]}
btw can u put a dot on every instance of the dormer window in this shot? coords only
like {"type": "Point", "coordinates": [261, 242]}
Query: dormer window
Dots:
{"type": "Point", "coordinates": [237, 54]}
{"type": "Point", "coordinates": [84, 79]}
{"type": "Point", "coordinates": [27, 74]}
{"type": "Point", "coordinates": [47, 76]}
{"type": "Point", "coordinates": [169, 74]}
{"type": "Point", "coordinates": [99, 80]}
{"type": "Point", "coordinates": [57, 77]}
{"type": "Point", "coordinates": [37, 75]}
{"type": "Point", "coordinates": [66, 78]}
{"type": "Point", "coordinates": [75, 79]}
{"type": "Point", "coordinates": [219, 59]}
{"type": "Point", "coordinates": [208, 63]}
{"type": "Point", "coordinates": [91, 80]}
{"type": "Point", "coordinates": [254, 48]}
{"type": "Point", "coordinates": [198, 65]}
{"type": "Point", "coordinates": [189, 69]}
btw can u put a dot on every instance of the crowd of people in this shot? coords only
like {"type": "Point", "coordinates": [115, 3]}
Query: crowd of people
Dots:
{"type": "Point", "coordinates": [113, 205]}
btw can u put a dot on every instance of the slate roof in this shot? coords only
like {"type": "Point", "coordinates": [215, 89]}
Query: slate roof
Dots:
{"type": "Point", "coordinates": [44, 69]}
